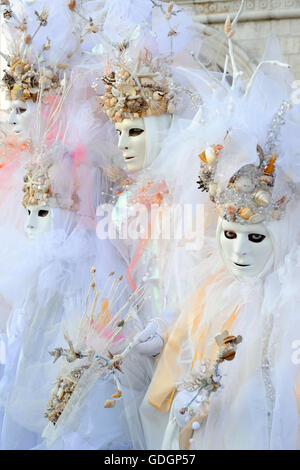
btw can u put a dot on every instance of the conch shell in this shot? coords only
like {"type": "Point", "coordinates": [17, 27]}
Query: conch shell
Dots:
{"type": "Point", "coordinates": [110, 404]}
{"type": "Point", "coordinates": [270, 167]}
{"type": "Point", "coordinates": [245, 213]}
{"type": "Point", "coordinates": [157, 107]}
{"type": "Point", "coordinates": [262, 197]}
{"type": "Point", "coordinates": [256, 218]}
{"type": "Point", "coordinates": [211, 156]}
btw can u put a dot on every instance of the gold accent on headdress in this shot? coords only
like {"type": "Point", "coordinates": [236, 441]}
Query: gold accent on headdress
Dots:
{"type": "Point", "coordinates": [248, 195]}
{"type": "Point", "coordinates": [38, 187]}
{"type": "Point", "coordinates": [23, 74]}
{"type": "Point", "coordinates": [137, 90]}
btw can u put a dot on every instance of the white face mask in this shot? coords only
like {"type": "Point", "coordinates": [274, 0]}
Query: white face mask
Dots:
{"type": "Point", "coordinates": [247, 250]}
{"type": "Point", "coordinates": [38, 220]}
{"type": "Point", "coordinates": [18, 117]}
{"type": "Point", "coordinates": [132, 142]}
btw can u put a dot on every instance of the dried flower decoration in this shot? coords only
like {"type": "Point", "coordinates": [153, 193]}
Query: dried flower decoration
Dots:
{"type": "Point", "coordinates": [100, 338]}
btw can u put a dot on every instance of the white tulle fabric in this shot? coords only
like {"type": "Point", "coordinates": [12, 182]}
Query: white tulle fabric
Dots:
{"type": "Point", "coordinates": [52, 281]}
{"type": "Point", "coordinates": [258, 406]}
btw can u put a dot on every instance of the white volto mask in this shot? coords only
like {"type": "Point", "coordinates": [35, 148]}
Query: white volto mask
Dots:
{"type": "Point", "coordinates": [132, 143]}
{"type": "Point", "coordinates": [18, 117]}
{"type": "Point", "coordinates": [38, 220]}
{"type": "Point", "coordinates": [247, 250]}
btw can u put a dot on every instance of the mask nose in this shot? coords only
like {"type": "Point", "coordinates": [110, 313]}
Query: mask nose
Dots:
{"type": "Point", "coordinates": [12, 119]}
{"type": "Point", "coordinates": [241, 245]}
{"type": "Point", "coordinates": [123, 143]}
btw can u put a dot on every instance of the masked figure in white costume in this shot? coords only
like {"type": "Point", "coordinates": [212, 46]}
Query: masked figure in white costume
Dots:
{"type": "Point", "coordinates": [41, 47]}
{"type": "Point", "coordinates": [248, 175]}
{"type": "Point", "coordinates": [143, 99]}
{"type": "Point", "coordinates": [53, 265]}
{"type": "Point", "coordinates": [143, 129]}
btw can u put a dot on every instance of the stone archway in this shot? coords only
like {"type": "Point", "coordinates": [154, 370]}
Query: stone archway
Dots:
{"type": "Point", "coordinates": [215, 48]}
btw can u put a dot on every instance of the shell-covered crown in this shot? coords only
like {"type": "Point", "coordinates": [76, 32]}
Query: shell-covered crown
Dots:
{"type": "Point", "coordinates": [250, 195]}
{"type": "Point", "coordinates": [139, 88]}
{"type": "Point", "coordinates": [51, 173]}
{"type": "Point", "coordinates": [27, 64]}
{"type": "Point", "coordinates": [41, 187]}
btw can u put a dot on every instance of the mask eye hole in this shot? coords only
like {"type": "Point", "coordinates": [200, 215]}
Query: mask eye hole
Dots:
{"type": "Point", "coordinates": [230, 235]}
{"type": "Point", "coordinates": [134, 132]}
{"type": "Point", "coordinates": [118, 132]}
{"type": "Point", "coordinates": [43, 213]}
{"type": "Point", "coordinates": [29, 211]}
{"type": "Point", "coordinates": [256, 237]}
{"type": "Point", "coordinates": [20, 110]}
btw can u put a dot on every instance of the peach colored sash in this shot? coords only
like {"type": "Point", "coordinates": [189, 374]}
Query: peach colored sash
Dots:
{"type": "Point", "coordinates": [163, 386]}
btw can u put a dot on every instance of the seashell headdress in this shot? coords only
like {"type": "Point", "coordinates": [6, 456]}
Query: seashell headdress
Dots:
{"type": "Point", "coordinates": [27, 66]}
{"type": "Point", "coordinates": [249, 196]}
{"type": "Point", "coordinates": [50, 178]}
{"type": "Point", "coordinates": [39, 188]}
{"type": "Point", "coordinates": [139, 88]}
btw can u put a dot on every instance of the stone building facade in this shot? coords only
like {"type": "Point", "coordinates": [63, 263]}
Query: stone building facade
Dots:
{"type": "Point", "coordinates": [259, 20]}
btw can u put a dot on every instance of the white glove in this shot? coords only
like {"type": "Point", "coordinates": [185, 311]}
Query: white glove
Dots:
{"type": "Point", "coordinates": [151, 342]}
{"type": "Point", "coordinates": [182, 400]}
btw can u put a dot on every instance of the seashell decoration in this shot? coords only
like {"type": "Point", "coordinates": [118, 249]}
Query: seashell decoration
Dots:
{"type": "Point", "coordinates": [128, 90]}
{"type": "Point", "coordinates": [211, 156]}
{"type": "Point", "coordinates": [156, 107]}
{"type": "Point", "coordinates": [266, 180]}
{"type": "Point", "coordinates": [110, 403]}
{"type": "Point", "coordinates": [140, 90]}
{"type": "Point", "coordinates": [256, 218]}
{"type": "Point", "coordinates": [213, 188]}
{"type": "Point", "coordinates": [245, 213]}
{"type": "Point", "coordinates": [249, 188]}
{"type": "Point", "coordinates": [270, 167]}
{"type": "Point", "coordinates": [72, 5]}
{"type": "Point", "coordinates": [243, 184]}
{"type": "Point", "coordinates": [230, 209]}
{"type": "Point", "coordinates": [262, 197]}
{"type": "Point", "coordinates": [202, 157]}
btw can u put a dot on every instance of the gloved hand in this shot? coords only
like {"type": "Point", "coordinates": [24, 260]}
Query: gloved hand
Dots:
{"type": "Point", "coordinates": [199, 406]}
{"type": "Point", "coordinates": [150, 340]}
